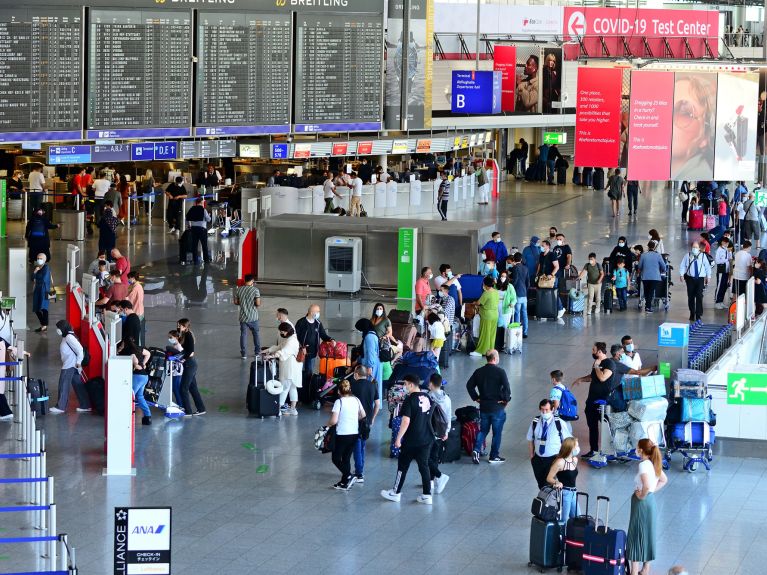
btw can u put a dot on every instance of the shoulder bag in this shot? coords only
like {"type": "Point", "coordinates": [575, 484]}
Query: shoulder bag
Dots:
{"type": "Point", "coordinates": [301, 355]}
{"type": "Point", "coordinates": [363, 427]}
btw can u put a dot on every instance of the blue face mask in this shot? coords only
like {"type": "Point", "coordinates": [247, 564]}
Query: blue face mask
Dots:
{"type": "Point", "coordinates": [629, 347]}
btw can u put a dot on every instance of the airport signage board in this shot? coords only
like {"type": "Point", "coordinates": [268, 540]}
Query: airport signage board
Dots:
{"type": "Point", "coordinates": [58, 155]}
{"type": "Point", "coordinates": [650, 124]}
{"type": "Point", "coordinates": [364, 148]}
{"type": "Point", "coordinates": [476, 92]}
{"type": "Point", "coordinates": [142, 540]}
{"type": "Point", "coordinates": [339, 149]}
{"type": "Point", "coordinates": [554, 138]}
{"type": "Point", "coordinates": [280, 151]}
{"type": "Point", "coordinates": [598, 119]}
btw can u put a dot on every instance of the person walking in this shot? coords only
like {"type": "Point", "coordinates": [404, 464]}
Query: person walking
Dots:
{"type": "Point", "coordinates": [443, 195]}
{"type": "Point", "coordinates": [41, 276]}
{"type": "Point", "coordinates": [642, 531]}
{"type": "Point", "coordinates": [545, 438]}
{"type": "Point", "coordinates": [594, 276]}
{"type": "Point", "coordinates": [286, 351]}
{"type": "Point", "coordinates": [414, 440]}
{"type": "Point", "coordinates": [329, 192]}
{"type": "Point", "coordinates": [36, 234]}
{"type": "Point", "coordinates": [684, 197]}
{"type": "Point", "coordinates": [248, 298]}
{"type": "Point", "coordinates": [139, 358]}
{"type": "Point", "coordinates": [364, 389]}
{"type": "Point", "coordinates": [632, 193]}
{"type": "Point", "coordinates": [346, 415]}
{"type": "Point", "coordinates": [370, 351]}
{"type": "Point", "coordinates": [601, 379]}
{"type": "Point", "coordinates": [651, 268]}
{"type": "Point", "coordinates": [72, 354]}
{"type": "Point", "coordinates": [695, 271]}
{"type": "Point", "coordinates": [310, 332]}
{"type": "Point", "coordinates": [439, 398]}
{"type": "Point", "coordinates": [189, 377]}
{"type": "Point", "coordinates": [488, 317]}
{"type": "Point", "coordinates": [615, 191]}
{"type": "Point", "coordinates": [198, 219]}
{"type": "Point", "coordinates": [563, 474]}
{"type": "Point", "coordinates": [489, 386]}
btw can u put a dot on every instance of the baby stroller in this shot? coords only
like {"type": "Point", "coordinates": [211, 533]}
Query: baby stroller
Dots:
{"type": "Point", "coordinates": [662, 290]}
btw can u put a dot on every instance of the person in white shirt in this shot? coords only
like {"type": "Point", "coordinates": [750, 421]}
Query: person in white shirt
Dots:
{"type": "Point", "coordinates": [723, 262]}
{"type": "Point", "coordinates": [741, 269]}
{"type": "Point", "coordinates": [346, 415]}
{"type": "Point", "coordinates": [355, 203]}
{"type": "Point", "coordinates": [282, 317]}
{"type": "Point", "coordinates": [631, 358]}
{"type": "Point", "coordinates": [650, 478]}
{"type": "Point", "coordinates": [544, 438]}
{"type": "Point", "coordinates": [437, 334]}
{"type": "Point", "coordinates": [100, 189]}
{"type": "Point", "coordinates": [329, 191]}
{"type": "Point", "coordinates": [286, 351]}
{"type": "Point", "coordinates": [36, 186]}
{"type": "Point", "coordinates": [72, 354]}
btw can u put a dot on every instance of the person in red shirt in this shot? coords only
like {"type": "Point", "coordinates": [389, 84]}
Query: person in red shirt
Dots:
{"type": "Point", "coordinates": [122, 265]}
{"type": "Point", "coordinates": [422, 289]}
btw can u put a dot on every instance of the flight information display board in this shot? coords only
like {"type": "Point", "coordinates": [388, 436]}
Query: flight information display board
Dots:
{"type": "Point", "coordinates": [40, 67]}
{"type": "Point", "coordinates": [243, 80]}
{"type": "Point", "coordinates": [338, 72]}
{"type": "Point", "coordinates": [139, 74]}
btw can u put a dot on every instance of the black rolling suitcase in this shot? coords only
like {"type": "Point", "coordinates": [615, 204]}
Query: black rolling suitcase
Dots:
{"type": "Point", "coordinates": [532, 302]}
{"type": "Point", "coordinates": [607, 300]}
{"type": "Point", "coordinates": [575, 536]}
{"type": "Point", "coordinates": [259, 401]}
{"type": "Point", "coordinates": [561, 175]}
{"type": "Point", "coordinates": [599, 179]}
{"type": "Point", "coordinates": [547, 303]}
{"type": "Point", "coordinates": [96, 389]}
{"type": "Point", "coordinates": [38, 392]}
{"type": "Point", "coordinates": [452, 446]}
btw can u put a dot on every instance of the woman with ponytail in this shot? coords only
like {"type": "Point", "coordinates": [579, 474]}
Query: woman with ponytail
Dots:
{"type": "Point", "coordinates": [640, 546]}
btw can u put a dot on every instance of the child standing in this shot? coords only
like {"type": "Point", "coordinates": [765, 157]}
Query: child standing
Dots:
{"type": "Point", "coordinates": [621, 282]}
{"type": "Point", "coordinates": [436, 333]}
{"type": "Point", "coordinates": [594, 276]}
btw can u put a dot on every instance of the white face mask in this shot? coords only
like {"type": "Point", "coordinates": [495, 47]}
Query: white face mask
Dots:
{"type": "Point", "coordinates": [560, 242]}
{"type": "Point", "coordinates": [40, 262]}
{"type": "Point", "coordinates": [576, 451]}
{"type": "Point", "coordinates": [429, 276]}
{"type": "Point", "coordinates": [379, 312]}
{"type": "Point", "coordinates": [449, 275]}
{"type": "Point", "coordinates": [316, 315]}
{"type": "Point", "coordinates": [58, 331]}
{"type": "Point", "coordinates": [497, 240]}
{"type": "Point", "coordinates": [695, 252]}
{"type": "Point", "coordinates": [621, 244]}
{"type": "Point", "coordinates": [484, 257]}
{"type": "Point", "coordinates": [546, 415]}
{"type": "Point", "coordinates": [171, 341]}
{"type": "Point", "coordinates": [649, 236]}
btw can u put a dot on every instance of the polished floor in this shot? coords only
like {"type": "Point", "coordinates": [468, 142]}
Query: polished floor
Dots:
{"type": "Point", "coordinates": [253, 496]}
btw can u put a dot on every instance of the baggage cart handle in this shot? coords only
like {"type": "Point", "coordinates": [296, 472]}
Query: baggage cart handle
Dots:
{"type": "Point", "coordinates": [607, 512]}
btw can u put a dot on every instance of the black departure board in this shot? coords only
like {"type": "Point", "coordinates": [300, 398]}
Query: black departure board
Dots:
{"type": "Point", "coordinates": [41, 72]}
{"type": "Point", "coordinates": [139, 74]}
{"type": "Point", "coordinates": [243, 73]}
{"type": "Point", "coordinates": [338, 72]}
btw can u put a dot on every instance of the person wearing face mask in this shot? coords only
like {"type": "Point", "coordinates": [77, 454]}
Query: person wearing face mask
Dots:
{"type": "Point", "coordinates": [548, 265]}
{"type": "Point", "coordinates": [422, 289]}
{"type": "Point", "coordinates": [695, 271]}
{"type": "Point", "coordinates": [116, 292]}
{"type": "Point", "coordinates": [108, 224]}
{"type": "Point", "coordinates": [447, 278]}
{"type": "Point", "coordinates": [496, 246]}
{"type": "Point", "coordinates": [370, 351]}
{"type": "Point", "coordinates": [139, 358]}
{"type": "Point", "coordinates": [531, 254]}
{"type": "Point", "coordinates": [594, 277]}
{"type": "Point", "coordinates": [603, 373]}
{"type": "Point", "coordinates": [545, 437]}
{"type": "Point", "coordinates": [248, 298]}
{"type": "Point", "coordinates": [488, 267]}
{"type": "Point", "coordinates": [310, 331]}
{"type": "Point", "coordinates": [488, 317]}
{"type": "Point", "coordinates": [631, 356]}
{"type": "Point", "coordinates": [655, 236]}
{"type": "Point", "coordinates": [131, 323]}
{"type": "Point", "coordinates": [622, 250]}
{"type": "Point", "coordinates": [188, 385]}
{"type": "Point", "coordinates": [41, 276]}
{"type": "Point", "coordinates": [562, 475]}
{"type": "Point", "coordinates": [651, 268]}
{"type": "Point", "coordinates": [289, 369]}
{"type": "Point", "coordinates": [36, 234]}
{"type": "Point", "coordinates": [448, 304]}
{"type": "Point", "coordinates": [564, 254]}
{"type": "Point", "coordinates": [383, 329]}
{"type": "Point", "coordinates": [282, 316]}
{"type": "Point", "coordinates": [93, 267]}
{"type": "Point", "coordinates": [507, 299]}
{"type": "Point", "coordinates": [71, 352]}
{"type": "Point", "coordinates": [173, 347]}
{"type": "Point", "coordinates": [520, 279]}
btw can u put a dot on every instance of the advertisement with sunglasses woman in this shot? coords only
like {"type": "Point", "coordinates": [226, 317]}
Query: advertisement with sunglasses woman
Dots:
{"type": "Point", "coordinates": [692, 145]}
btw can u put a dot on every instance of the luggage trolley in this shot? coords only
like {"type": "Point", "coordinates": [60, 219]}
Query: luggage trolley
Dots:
{"type": "Point", "coordinates": [607, 451]}
{"type": "Point", "coordinates": [158, 392]}
{"type": "Point", "coordinates": [694, 440]}
{"type": "Point", "coordinates": [227, 221]}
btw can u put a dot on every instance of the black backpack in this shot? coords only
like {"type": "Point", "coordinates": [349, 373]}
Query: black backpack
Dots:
{"type": "Point", "coordinates": [440, 421]}
{"type": "Point", "coordinates": [467, 414]}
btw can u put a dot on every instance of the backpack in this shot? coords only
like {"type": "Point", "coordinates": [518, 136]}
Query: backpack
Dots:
{"type": "Point", "coordinates": [546, 505]}
{"type": "Point", "coordinates": [557, 422]}
{"type": "Point", "coordinates": [568, 405]}
{"type": "Point", "coordinates": [439, 420]}
{"type": "Point", "coordinates": [467, 414]}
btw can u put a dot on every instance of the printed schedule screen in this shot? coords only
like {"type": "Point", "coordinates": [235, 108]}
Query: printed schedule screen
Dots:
{"type": "Point", "coordinates": [139, 73]}
{"type": "Point", "coordinates": [40, 67]}
{"type": "Point", "coordinates": [243, 79]}
{"type": "Point", "coordinates": [338, 72]}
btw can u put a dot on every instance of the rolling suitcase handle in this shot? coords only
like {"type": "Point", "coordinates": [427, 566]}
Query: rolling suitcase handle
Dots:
{"type": "Point", "coordinates": [607, 514]}
{"type": "Point", "coordinates": [578, 494]}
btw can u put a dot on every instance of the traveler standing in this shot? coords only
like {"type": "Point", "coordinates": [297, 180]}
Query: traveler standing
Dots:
{"type": "Point", "coordinates": [114, 199]}
{"type": "Point", "coordinates": [422, 289]}
{"type": "Point", "coordinates": [594, 277]}
{"type": "Point", "coordinates": [524, 152]}
{"type": "Point", "coordinates": [520, 279]}
{"type": "Point", "coordinates": [139, 358]}
{"type": "Point", "coordinates": [684, 197]}
{"type": "Point", "coordinates": [651, 268]}
{"type": "Point", "coordinates": [488, 317]}
{"type": "Point", "coordinates": [751, 226]}
{"type": "Point", "coordinates": [131, 323]}
{"type": "Point", "coordinates": [489, 386]}
{"type": "Point", "coordinates": [135, 296]}
{"type": "Point", "coordinates": [414, 439]}
{"type": "Point", "coordinates": [355, 201]}
{"type": "Point", "coordinates": [631, 358]}
{"type": "Point", "coordinates": [198, 219]}
{"type": "Point", "coordinates": [650, 478]}
{"type": "Point", "coordinates": [615, 191]}
{"type": "Point", "coordinates": [122, 264]}
{"type": "Point", "coordinates": [370, 350]}
{"type": "Point", "coordinates": [632, 192]}
{"type": "Point", "coordinates": [176, 194]}
{"type": "Point", "coordinates": [286, 351]}
{"type": "Point", "coordinates": [531, 255]}
{"type": "Point", "coordinates": [601, 379]}
{"type": "Point", "coordinates": [15, 186]}
{"type": "Point", "coordinates": [346, 415]}
{"type": "Point", "coordinates": [439, 398]}
{"type": "Point", "coordinates": [310, 332]}
{"type": "Point", "coordinates": [248, 298]}
{"type": "Point", "coordinates": [41, 276]}
{"type": "Point", "coordinates": [655, 236]}
{"type": "Point", "coordinates": [549, 265]}
{"type": "Point", "coordinates": [545, 437]}
{"type": "Point", "coordinates": [695, 271]}
{"type": "Point", "coordinates": [123, 188]}
{"type": "Point", "coordinates": [621, 282]}
{"type": "Point", "coordinates": [36, 234]}
{"type": "Point", "coordinates": [189, 377]}
{"type": "Point", "coordinates": [36, 187]}
{"type": "Point", "coordinates": [562, 475]}
{"type": "Point", "coordinates": [364, 389]}
{"type": "Point", "coordinates": [328, 191]}
{"type": "Point", "coordinates": [100, 189]}
{"type": "Point", "coordinates": [496, 246]}
{"type": "Point", "coordinates": [209, 179]}
{"type": "Point", "coordinates": [443, 195]}
{"type": "Point", "coordinates": [622, 250]}
{"type": "Point", "coordinates": [365, 171]}
{"type": "Point", "coordinates": [275, 179]}
{"type": "Point", "coordinates": [71, 352]}
{"type": "Point", "coordinates": [741, 269]}
{"type": "Point", "coordinates": [108, 224]}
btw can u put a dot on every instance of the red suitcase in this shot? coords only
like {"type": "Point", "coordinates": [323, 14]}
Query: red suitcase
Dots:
{"type": "Point", "coordinates": [695, 220]}
{"type": "Point", "coordinates": [710, 221]}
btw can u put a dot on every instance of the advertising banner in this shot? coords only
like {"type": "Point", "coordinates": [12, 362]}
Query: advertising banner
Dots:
{"type": "Point", "coordinates": [505, 62]}
{"type": "Point", "coordinates": [552, 79]}
{"type": "Point", "coordinates": [597, 124]}
{"type": "Point", "coordinates": [528, 80]}
{"type": "Point", "coordinates": [650, 118]}
{"type": "Point", "coordinates": [476, 92]}
{"type": "Point", "coordinates": [736, 120]}
{"type": "Point", "coordinates": [694, 121]}
{"type": "Point", "coordinates": [658, 27]}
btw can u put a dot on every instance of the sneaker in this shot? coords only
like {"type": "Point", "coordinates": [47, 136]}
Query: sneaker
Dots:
{"type": "Point", "coordinates": [8, 417]}
{"type": "Point", "coordinates": [203, 412]}
{"type": "Point", "coordinates": [172, 231]}
{"type": "Point", "coordinates": [475, 354]}
{"type": "Point", "coordinates": [341, 486]}
{"type": "Point", "coordinates": [475, 457]}
{"type": "Point", "coordinates": [390, 495]}
{"type": "Point", "coordinates": [588, 455]}
{"type": "Point", "coordinates": [497, 460]}
{"type": "Point", "coordinates": [425, 499]}
{"type": "Point", "coordinates": [243, 356]}
{"type": "Point", "coordinates": [187, 415]}
{"type": "Point", "coordinates": [83, 410]}
{"type": "Point", "coordinates": [351, 481]}
{"type": "Point", "coordinates": [359, 478]}
{"type": "Point", "coordinates": [560, 313]}
{"type": "Point", "coordinates": [56, 410]}
{"type": "Point", "coordinates": [285, 408]}
{"type": "Point", "coordinates": [440, 482]}
{"type": "Point", "coordinates": [292, 411]}
{"type": "Point", "coordinates": [146, 420]}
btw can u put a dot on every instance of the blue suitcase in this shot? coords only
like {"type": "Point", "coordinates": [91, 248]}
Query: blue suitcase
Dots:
{"type": "Point", "coordinates": [547, 541]}
{"type": "Point", "coordinates": [696, 409]}
{"type": "Point", "coordinates": [471, 287]}
{"type": "Point", "coordinates": [604, 549]}
{"type": "Point", "coordinates": [693, 437]}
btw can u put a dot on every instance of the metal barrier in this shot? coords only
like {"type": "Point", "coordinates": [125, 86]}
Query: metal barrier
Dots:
{"type": "Point", "coordinates": [135, 198]}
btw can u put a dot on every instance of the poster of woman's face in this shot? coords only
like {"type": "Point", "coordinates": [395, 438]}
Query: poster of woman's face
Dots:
{"type": "Point", "coordinates": [692, 145]}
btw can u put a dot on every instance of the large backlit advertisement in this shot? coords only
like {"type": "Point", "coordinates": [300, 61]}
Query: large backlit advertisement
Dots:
{"type": "Point", "coordinates": [551, 79]}
{"type": "Point", "coordinates": [694, 126]}
{"type": "Point", "coordinates": [736, 120]}
{"type": "Point", "coordinates": [505, 62]}
{"type": "Point", "coordinates": [597, 124]}
{"type": "Point", "coordinates": [650, 120]}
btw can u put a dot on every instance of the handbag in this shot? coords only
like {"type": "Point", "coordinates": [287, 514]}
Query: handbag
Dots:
{"type": "Point", "coordinates": [384, 350]}
{"type": "Point", "coordinates": [301, 355]}
{"type": "Point", "coordinates": [363, 213]}
{"type": "Point", "coordinates": [51, 295]}
{"type": "Point", "coordinates": [329, 440]}
{"type": "Point", "coordinates": [546, 282]}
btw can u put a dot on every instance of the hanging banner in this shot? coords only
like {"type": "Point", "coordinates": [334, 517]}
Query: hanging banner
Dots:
{"type": "Point", "coordinates": [597, 124]}
{"type": "Point", "coordinates": [736, 120]}
{"type": "Point", "coordinates": [552, 80]}
{"type": "Point", "coordinates": [694, 121]}
{"type": "Point", "coordinates": [650, 121]}
{"type": "Point", "coordinates": [505, 62]}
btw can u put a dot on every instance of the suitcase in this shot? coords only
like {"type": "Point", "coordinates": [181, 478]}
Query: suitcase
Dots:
{"type": "Point", "coordinates": [604, 549]}
{"type": "Point", "coordinates": [695, 220]}
{"type": "Point", "coordinates": [546, 544]}
{"type": "Point", "coordinates": [513, 340]}
{"type": "Point", "coordinates": [530, 174]}
{"type": "Point", "coordinates": [38, 391]}
{"type": "Point", "coordinates": [576, 176]}
{"type": "Point", "coordinates": [598, 180]}
{"type": "Point", "coordinates": [469, 433]}
{"type": "Point", "coordinates": [185, 251]}
{"type": "Point", "coordinates": [471, 287]}
{"type": "Point", "coordinates": [258, 400]}
{"type": "Point", "coordinates": [452, 448]}
{"type": "Point", "coordinates": [561, 176]}
{"type": "Point", "coordinates": [575, 535]}
{"type": "Point", "coordinates": [695, 409]}
{"type": "Point", "coordinates": [400, 316]}
{"type": "Point", "coordinates": [607, 301]}
{"type": "Point", "coordinates": [532, 302]}
{"type": "Point", "coordinates": [547, 303]}
{"type": "Point", "coordinates": [444, 354]}
{"type": "Point", "coordinates": [406, 333]}
{"type": "Point", "coordinates": [577, 301]}
{"type": "Point", "coordinates": [693, 434]}
{"type": "Point", "coordinates": [710, 221]}
{"type": "Point", "coordinates": [396, 422]}
{"type": "Point", "coordinates": [258, 377]}
{"type": "Point", "coordinates": [96, 389]}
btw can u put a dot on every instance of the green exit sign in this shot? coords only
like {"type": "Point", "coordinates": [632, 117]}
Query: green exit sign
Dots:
{"type": "Point", "coordinates": [760, 198]}
{"type": "Point", "coordinates": [747, 388]}
{"type": "Point", "coordinates": [554, 138]}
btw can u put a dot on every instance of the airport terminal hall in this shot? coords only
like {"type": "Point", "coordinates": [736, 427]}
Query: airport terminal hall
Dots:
{"type": "Point", "coordinates": [341, 287]}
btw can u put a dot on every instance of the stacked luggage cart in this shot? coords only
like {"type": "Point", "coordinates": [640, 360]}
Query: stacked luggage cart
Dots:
{"type": "Point", "coordinates": [707, 344]}
{"type": "Point", "coordinates": [690, 421]}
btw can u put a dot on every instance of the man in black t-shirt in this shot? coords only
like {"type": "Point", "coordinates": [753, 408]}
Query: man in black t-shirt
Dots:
{"type": "Point", "coordinates": [414, 438]}
{"type": "Point", "coordinates": [364, 389]}
{"type": "Point", "coordinates": [548, 265]}
{"type": "Point", "coordinates": [601, 379]}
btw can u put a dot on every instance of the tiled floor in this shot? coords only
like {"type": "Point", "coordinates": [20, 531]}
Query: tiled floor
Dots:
{"type": "Point", "coordinates": [229, 519]}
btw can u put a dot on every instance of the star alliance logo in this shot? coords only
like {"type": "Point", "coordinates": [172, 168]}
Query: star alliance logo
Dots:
{"type": "Point", "coordinates": [121, 515]}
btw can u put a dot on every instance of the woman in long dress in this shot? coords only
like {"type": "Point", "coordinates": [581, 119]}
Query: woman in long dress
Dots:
{"type": "Point", "coordinates": [488, 317]}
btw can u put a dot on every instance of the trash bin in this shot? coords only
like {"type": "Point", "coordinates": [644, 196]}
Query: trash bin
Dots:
{"type": "Point", "coordinates": [71, 225]}
{"type": "Point", "coordinates": [14, 209]}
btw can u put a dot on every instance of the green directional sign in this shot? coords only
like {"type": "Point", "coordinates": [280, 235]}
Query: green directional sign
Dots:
{"type": "Point", "coordinates": [747, 388]}
{"type": "Point", "coordinates": [760, 198]}
{"type": "Point", "coordinates": [406, 271]}
{"type": "Point", "coordinates": [554, 138]}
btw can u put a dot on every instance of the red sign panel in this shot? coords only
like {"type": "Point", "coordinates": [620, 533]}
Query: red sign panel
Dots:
{"type": "Point", "coordinates": [598, 120]}
{"type": "Point", "coordinates": [302, 151]}
{"type": "Point", "coordinates": [505, 61]}
{"type": "Point", "coordinates": [364, 148]}
{"type": "Point", "coordinates": [635, 25]}
{"type": "Point", "coordinates": [340, 148]}
{"type": "Point", "coordinates": [423, 146]}
{"type": "Point", "coordinates": [650, 121]}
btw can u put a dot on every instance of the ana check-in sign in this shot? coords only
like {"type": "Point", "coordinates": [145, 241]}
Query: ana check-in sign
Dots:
{"type": "Point", "coordinates": [673, 334]}
{"type": "Point", "coordinates": [142, 540]}
{"type": "Point", "coordinates": [747, 388]}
